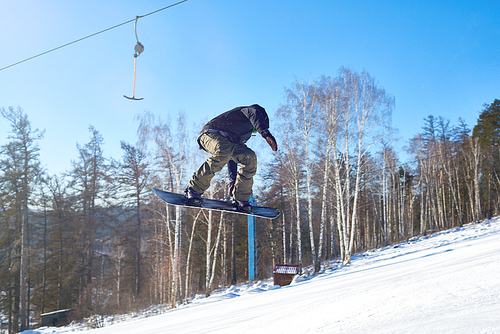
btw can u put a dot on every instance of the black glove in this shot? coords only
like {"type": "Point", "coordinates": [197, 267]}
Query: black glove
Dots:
{"type": "Point", "coordinates": [270, 140]}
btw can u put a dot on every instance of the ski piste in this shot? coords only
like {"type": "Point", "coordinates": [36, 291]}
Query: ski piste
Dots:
{"type": "Point", "coordinates": [213, 204]}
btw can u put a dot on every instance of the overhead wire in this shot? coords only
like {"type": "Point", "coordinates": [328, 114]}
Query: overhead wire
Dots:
{"type": "Point", "coordinates": [91, 35]}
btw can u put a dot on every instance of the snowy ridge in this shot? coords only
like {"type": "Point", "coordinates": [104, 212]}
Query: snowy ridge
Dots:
{"type": "Point", "coordinates": [442, 283]}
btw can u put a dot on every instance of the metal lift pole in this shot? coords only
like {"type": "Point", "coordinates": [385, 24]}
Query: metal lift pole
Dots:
{"type": "Point", "coordinates": [252, 249]}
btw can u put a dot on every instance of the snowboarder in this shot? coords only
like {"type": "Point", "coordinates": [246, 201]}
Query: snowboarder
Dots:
{"type": "Point", "coordinates": [224, 137]}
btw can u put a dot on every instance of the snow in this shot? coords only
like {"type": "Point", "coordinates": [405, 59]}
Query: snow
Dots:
{"type": "Point", "coordinates": [444, 283]}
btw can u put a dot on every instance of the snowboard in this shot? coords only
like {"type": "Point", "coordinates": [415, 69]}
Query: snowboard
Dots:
{"type": "Point", "coordinates": [213, 204]}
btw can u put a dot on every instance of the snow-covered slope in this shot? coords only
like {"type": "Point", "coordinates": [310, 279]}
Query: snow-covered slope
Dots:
{"type": "Point", "coordinates": [445, 283]}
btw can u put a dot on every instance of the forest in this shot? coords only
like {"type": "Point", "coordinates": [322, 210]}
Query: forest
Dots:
{"type": "Point", "coordinates": [97, 240]}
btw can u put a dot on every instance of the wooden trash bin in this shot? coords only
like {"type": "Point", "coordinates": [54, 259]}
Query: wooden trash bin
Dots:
{"type": "Point", "coordinates": [283, 273]}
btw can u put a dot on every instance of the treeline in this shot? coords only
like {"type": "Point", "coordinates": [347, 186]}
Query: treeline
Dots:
{"type": "Point", "coordinates": [96, 239]}
{"type": "Point", "coordinates": [342, 187]}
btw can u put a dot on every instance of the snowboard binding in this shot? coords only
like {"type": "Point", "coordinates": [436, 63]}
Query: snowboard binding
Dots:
{"type": "Point", "coordinates": [192, 198]}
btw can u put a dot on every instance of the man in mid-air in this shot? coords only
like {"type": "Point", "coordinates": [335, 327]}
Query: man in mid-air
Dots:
{"type": "Point", "coordinates": [224, 137]}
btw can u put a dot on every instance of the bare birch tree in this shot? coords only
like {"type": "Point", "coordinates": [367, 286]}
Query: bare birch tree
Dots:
{"type": "Point", "coordinates": [171, 154]}
{"type": "Point", "coordinates": [290, 159]}
{"type": "Point", "coordinates": [299, 114]}
{"type": "Point", "coordinates": [188, 257]}
{"type": "Point", "coordinates": [474, 163]}
{"type": "Point", "coordinates": [329, 119]}
{"type": "Point", "coordinates": [364, 110]}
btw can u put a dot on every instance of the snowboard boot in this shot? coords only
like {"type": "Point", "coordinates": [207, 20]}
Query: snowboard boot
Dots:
{"type": "Point", "coordinates": [244, 206]}
{"type": "Point", "coordinates": [192, 198]}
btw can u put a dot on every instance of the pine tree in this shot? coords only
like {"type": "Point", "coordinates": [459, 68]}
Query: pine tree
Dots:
{"type": "Point", "coordinates": [89, 174]}
{"type": "Point", "coordinates": [487, 131]}
{"type": "Point", "coordinates": [133, 177]}
{"type": "Point", "coordinates": [488, 125]}
{"type": "Point", "coordinates": [20, 166]}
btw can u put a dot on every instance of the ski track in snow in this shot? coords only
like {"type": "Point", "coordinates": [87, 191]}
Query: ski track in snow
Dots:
{"type": "Point", "coordinates": [444, 283]}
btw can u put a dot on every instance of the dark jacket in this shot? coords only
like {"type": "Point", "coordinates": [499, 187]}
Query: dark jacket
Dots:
{"type": "Point", "coordinates": [238, 124]}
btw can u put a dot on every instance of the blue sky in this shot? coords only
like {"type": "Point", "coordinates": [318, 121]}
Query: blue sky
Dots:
{"type": "Point", "coordinates": [204, 57]}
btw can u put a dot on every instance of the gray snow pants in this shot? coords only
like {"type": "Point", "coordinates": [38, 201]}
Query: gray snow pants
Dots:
{"type": "Point", "coordinates": [223, 150]}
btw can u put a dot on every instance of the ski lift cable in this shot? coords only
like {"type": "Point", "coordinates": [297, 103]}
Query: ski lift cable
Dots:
{"type": "Point", "coordinates": [91, 35]}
